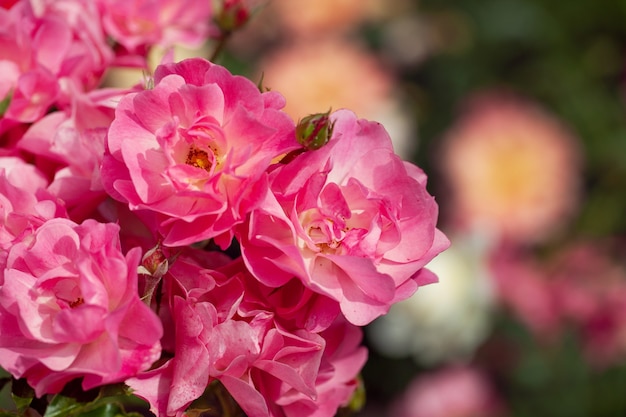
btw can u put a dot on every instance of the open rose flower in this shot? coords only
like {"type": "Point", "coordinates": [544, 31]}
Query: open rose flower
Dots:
{"type": "Point", "coordinates": [69, 144]}
{"type": "Point", "coordinates": [351, 220]}
{"type": "Point", "coordinates": [69, 308]}
{"type": "Point", "coordinates": [49, 50]}
{"type": "Point", "coordinates": [337, 379]}
{"type": "Point", "coordinates": [258, 361]}
{"type": "Point", "coordinates": [140, 24]}
{"type": "Point", "coordinates": [192, 151]}
{"type": "Point", "coordinates": [24, 203]}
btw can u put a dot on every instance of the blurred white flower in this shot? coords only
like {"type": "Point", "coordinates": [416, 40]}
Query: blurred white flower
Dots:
{"type": "Point", "coordinates": [443, 321]}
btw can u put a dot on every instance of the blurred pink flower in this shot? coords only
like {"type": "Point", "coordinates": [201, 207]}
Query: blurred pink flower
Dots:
{"type": "Point", "coordinates": [232, 15]}
{"type": "Point", "coordinates": [50, 49]}
{"type": "Point", "coordinates": [351, 220]}
{"type": "Point", "coordinates": [449, 392]}
{"type": "Point", "coordinates": [588, 280]}
{"type": "Point", "coordinates": [140, 24]}
{"type": "Point", "coordinates": [193, 151]}
{"type": "Point", "coordinates": [581, 287]}
{"type": "Point", "coordinates": [513, 171]}
{"type": "Point", "coordinates": [69, 308]}
{"type": "Point", "coordinates": [522, 285]}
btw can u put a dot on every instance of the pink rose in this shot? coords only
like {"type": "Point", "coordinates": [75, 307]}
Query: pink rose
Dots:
{"type": "Point", "coordinates": [261, 364]}
{"type": "Point", "coordinates": [71, 143]}
{"type": "Point", "coordinates": [68, 40]}
{"type": "Point", "coordinates": [195, 300]}
{"type": "Point", "coordinates": [24, 203]}
{"type": "Point", "coordinates": [50, 49]}
{"type": "Point", "coordinates": [337, 379]}
{"type": "Point", "coordinates": [351, 220]}
{"type": "Point", "coordinates": [193, 150]}
{"type": "Point", "coordinates": [69, 308]}
{"type": "Point", "coordinates": [293, 305]}
{"type": "Point", "coordinates": [138, 25]}
{"type": "Point", "coordinates": [258, 361]}
{"type": "Point", "coordinates": [589, 286]}
{"type": "Point", "coordinates": [28, 86]}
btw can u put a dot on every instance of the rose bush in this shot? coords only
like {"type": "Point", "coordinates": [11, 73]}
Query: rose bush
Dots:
{"type": "Point", "coordinates": [123, 213]}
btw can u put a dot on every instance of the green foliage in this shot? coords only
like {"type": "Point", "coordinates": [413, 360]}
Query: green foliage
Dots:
{"type": "Point", "coordinates": [107, 401]}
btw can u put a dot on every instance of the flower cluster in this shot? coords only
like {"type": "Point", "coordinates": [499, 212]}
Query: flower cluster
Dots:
{"type": "Point", "coordinates": [179, 236]}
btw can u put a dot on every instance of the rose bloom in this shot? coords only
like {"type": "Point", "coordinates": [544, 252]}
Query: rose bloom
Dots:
{"type": "Point", "coordinates": [513, 170]}
{"type": "Point", "coordinates": [50, 49]}
{"type": "Point", "coordinates": [192, 152]}
{"type": "Point", "coordinates": [351, 220]}
{"type": "Point", "coordinates": [69, 145]}
{"type": "Point", "coordinates": [69, 308]}
{"type": "Point", "coordinates": [138, 25]}
{"type": "Point", "coordinates": [24, 203]}
{"type": "Point", "coordinates": [260, 363]}
{"type": "Point", "coordinates": [337, 380]}
{"type": "Point", "coordinates": [334, 74]}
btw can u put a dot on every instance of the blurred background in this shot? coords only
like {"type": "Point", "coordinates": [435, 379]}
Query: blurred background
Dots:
{"type": "Point", "coordinates": [515, 109]}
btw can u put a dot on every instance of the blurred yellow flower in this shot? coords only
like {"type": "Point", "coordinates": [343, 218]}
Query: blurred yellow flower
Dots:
{"type": "Point", "coordinates": [512, 170]}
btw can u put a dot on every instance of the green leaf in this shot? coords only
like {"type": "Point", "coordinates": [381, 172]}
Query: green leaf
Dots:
{"type": "Point", "coordinates": [109, 409]}
{"type": "Point", "coordinates": [62, 406]}
{"type": "Point", "coordinates": [22, 395]}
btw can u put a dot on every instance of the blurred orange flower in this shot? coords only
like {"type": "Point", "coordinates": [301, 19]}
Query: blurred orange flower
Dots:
{"type": "Point", "coordinates": [312, 17]}
{"type": "Point", "coordinates": [332, 74]}
{"type": "Point", "coordinates": [513, 171]}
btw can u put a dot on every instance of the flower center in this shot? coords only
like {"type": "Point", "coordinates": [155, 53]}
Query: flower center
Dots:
{"type": "Point", "coordinates": [199, 159]}
{"type": "Point", "coordinates": [77, 302]}
{"type": "Point", "coordinates": [323, 237]}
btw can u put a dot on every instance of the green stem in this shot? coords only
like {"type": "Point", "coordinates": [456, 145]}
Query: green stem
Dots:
{"type": "Point", "coordinates": [221, 44]}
